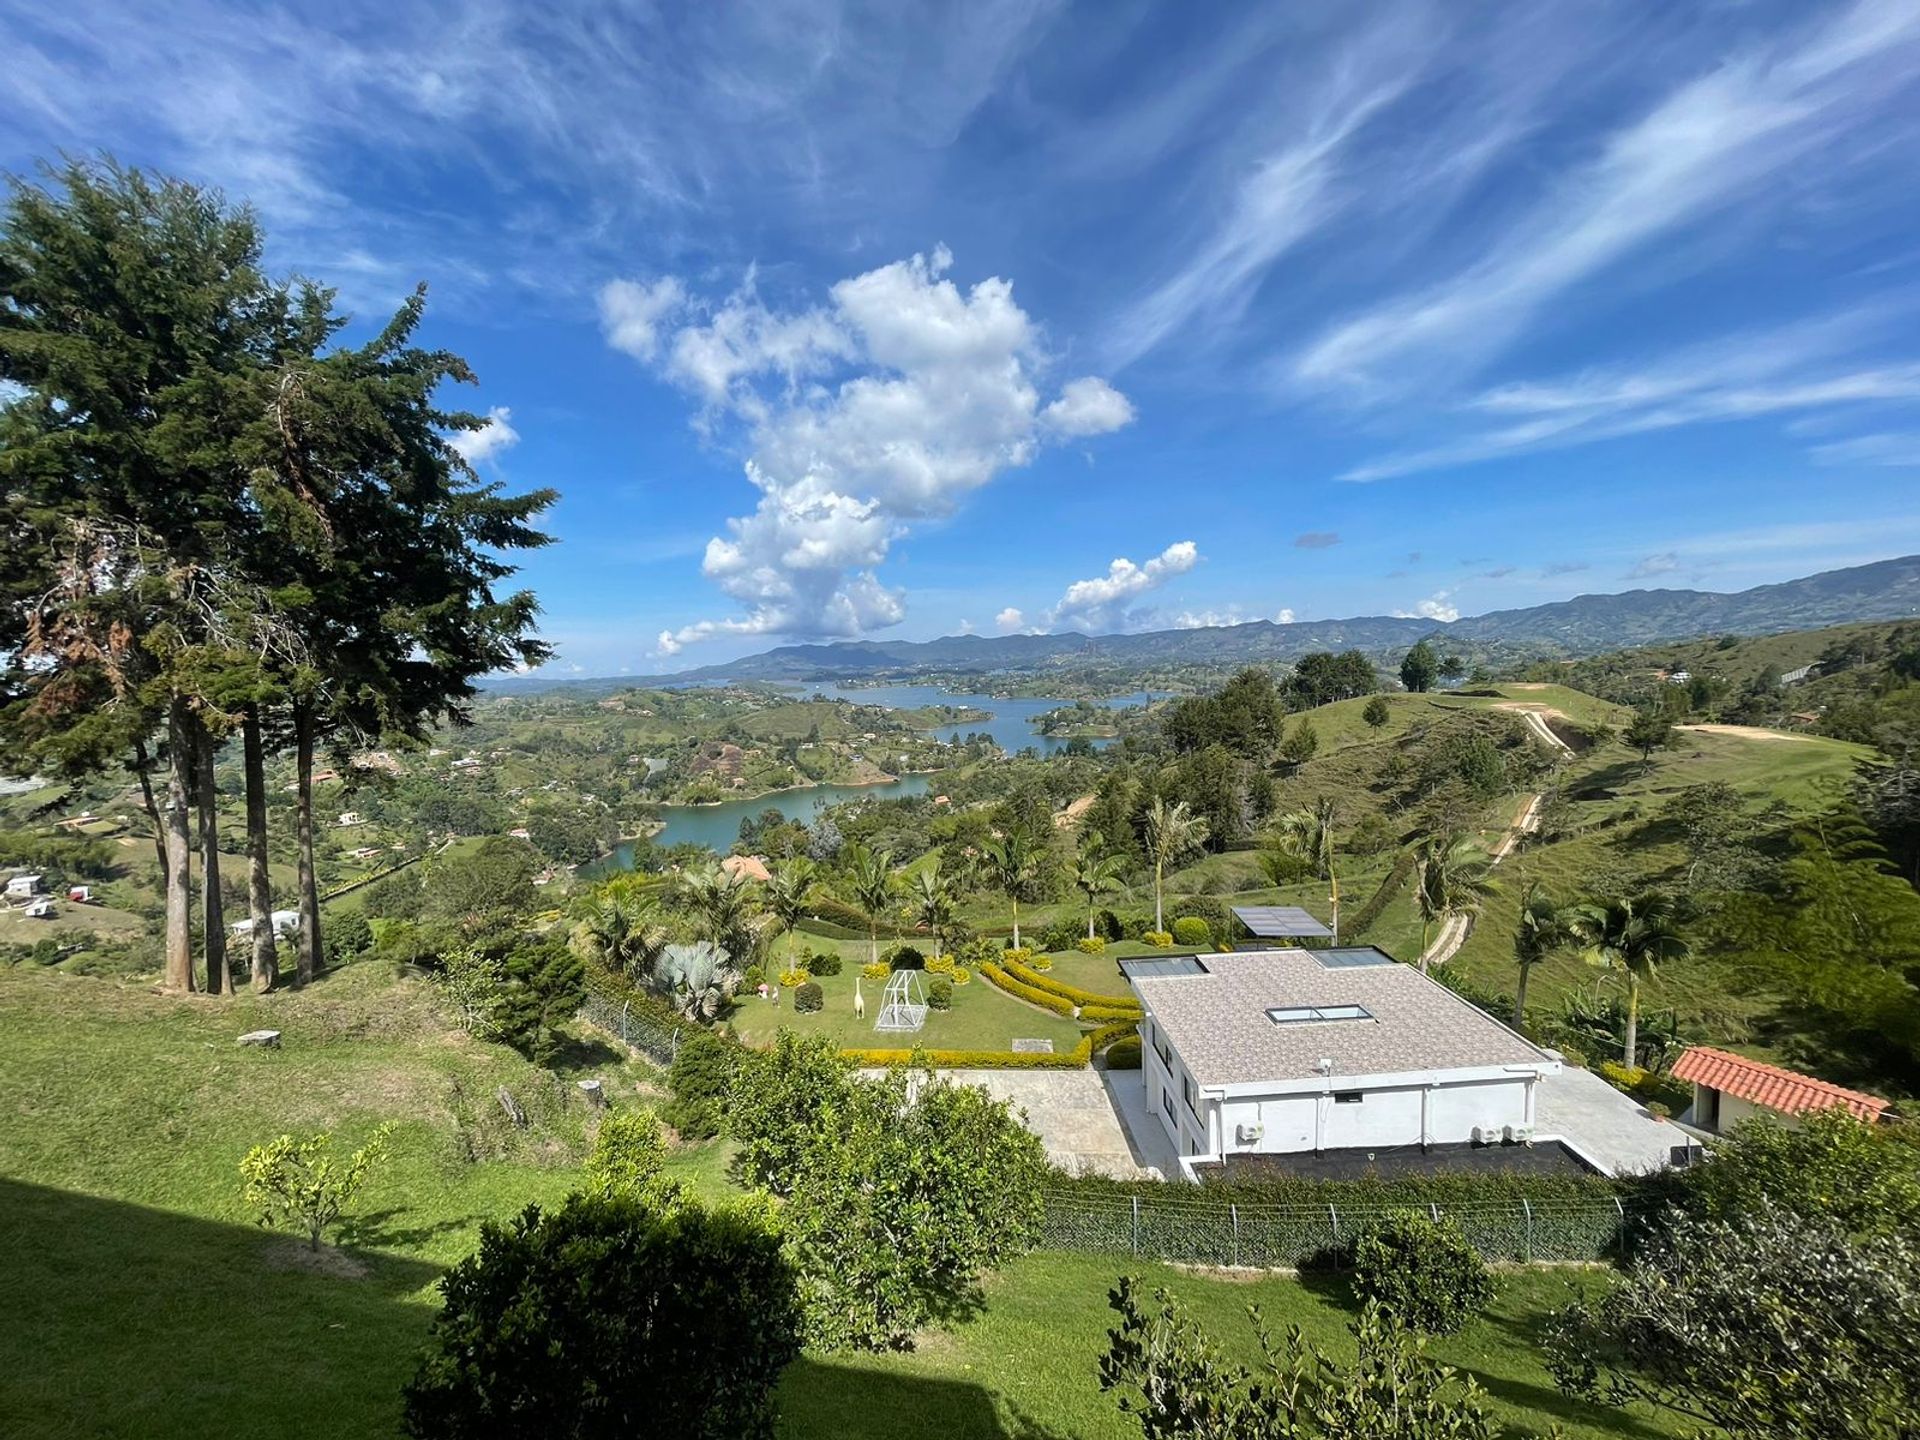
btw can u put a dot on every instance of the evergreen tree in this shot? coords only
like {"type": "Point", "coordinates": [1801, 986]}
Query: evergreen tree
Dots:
{"type": "Point", "coordinates": [1420, 667]}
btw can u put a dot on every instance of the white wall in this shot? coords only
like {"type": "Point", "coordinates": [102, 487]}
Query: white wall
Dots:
{"type": "Point", "coordinates": [1382, 1118]}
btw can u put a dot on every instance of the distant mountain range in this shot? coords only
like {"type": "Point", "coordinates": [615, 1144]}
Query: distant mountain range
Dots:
{"type": "Point", "coordinates": [1884, 590]}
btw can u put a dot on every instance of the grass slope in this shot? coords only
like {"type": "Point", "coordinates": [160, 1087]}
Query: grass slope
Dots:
{"type": "Point", "coordinates": [142, 1303]}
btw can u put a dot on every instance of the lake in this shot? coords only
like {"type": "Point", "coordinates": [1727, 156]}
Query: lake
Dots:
{"type": "Point", "coordinates": [718, 826]}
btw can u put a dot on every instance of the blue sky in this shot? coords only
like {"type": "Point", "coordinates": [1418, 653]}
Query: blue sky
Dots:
{"type": "Point", "coordinates": [904, 319]}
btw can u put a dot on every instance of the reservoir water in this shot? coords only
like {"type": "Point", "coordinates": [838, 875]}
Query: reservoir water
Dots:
{"type": "Point", "coordinates": [718, 826]}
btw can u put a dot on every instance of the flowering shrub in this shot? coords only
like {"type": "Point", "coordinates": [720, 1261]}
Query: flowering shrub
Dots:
{"type": "Point", "coordinates": [878, 970]}
{"type": "Point", "coordinates": [940, 964]}
{"type": "Point", "coordinates": [792, 979]}
{"type": "Point", "coordinates": [1091, 945]}
{"type": "Point", "coordinates": [1040, 963]}
{"type": "Point", "coordinates": [960, 976]}
{"type": "Point", "coordinates": [1158, 937]}
{"type": "Point", "coordinates": [1020, 953]}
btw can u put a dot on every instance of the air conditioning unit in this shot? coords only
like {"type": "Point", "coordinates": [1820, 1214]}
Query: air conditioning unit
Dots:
{"type": "Point", "coordinates": [1249, 1134]}
{"type": "Point", "coordinates": [1482, 1135]}
{"type": "Point", "coordinates": [1519, 1134]}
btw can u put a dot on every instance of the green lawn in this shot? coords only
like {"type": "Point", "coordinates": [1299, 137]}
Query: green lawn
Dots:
{"type": "Point", "coordinates": [140, 1301]}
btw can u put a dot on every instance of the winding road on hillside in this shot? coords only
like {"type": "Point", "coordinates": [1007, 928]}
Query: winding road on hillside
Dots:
{"type": "Point", "coordinates": [1455, 929]}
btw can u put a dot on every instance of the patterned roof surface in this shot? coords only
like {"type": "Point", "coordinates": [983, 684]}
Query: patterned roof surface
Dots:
{"type": "Point", "coordinates": [1280, 922]}
{"type": "Point", "coordinates": [1787, 1091]}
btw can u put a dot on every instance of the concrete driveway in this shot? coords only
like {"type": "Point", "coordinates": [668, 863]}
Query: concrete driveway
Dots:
{"type": "Point", "coordinates": [1072, 1111]}
{"type": "Point", "coordinates": [1607, 1128]}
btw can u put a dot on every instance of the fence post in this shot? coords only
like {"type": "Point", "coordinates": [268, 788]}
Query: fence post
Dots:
{"type": "Point", "coordinates": [1436, 1212]}
{"type": "Point", "coordinates": [625, 1038]}
{"type": "Point", "coordinates": [1233, 1211]}
{"type": "Point", "coordinates": [1621, 1210]}
{"type": "Point", "coordinates": [1528, 1206]}
{"type": "Point", "coordinates": [1334, 1215]}
{"type": "Point", "coordinates": [1136, 1224]}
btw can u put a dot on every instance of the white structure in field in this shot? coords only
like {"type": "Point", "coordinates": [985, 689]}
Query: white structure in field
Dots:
{"type": "Point", "coordinates": [285, 923]}
{"type": "Point", "coordinates": [1288, 1051]}
{"type": "Point", "coordinates": [904, 1005]}
{"type": "Point", "coordinates": [23, 887]}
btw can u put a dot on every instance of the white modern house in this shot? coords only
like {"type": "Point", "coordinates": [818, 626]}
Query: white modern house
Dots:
{"type": "Point", "coordinates": [285, 922]}
{"type": "Point", "coordinates": [1290, 1051]}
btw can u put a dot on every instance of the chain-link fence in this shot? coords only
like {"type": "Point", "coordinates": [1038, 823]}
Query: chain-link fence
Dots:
{"type": "Point", "coordinates": [1189, 1228]}
{"type": "Point", "coordinates": [657, 1041]}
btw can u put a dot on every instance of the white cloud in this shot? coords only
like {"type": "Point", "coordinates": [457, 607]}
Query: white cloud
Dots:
{"type": "Point", "coordinates": [1106, 602]}
{"type": "Point", "coordinates": [1232, 615]}
{"type": "Point", "coordinates": [1009, 620]}
{"type": "Point", "coordinates": [632, 311]}
{"type": "Point", "coordinates": [1714, 140]}
{"type": "Point", "coordinates": [1648, 566]}
{"type": "Point", "coordinates": [1436, 606]}
{"type": "Point", "coordinates": [1898, 450]}
{"type": "Point", "coordinates": [884, 408]}
{"type": "Point", "coordinates": [489, 440]}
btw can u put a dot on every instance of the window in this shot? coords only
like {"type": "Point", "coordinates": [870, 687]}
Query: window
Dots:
{"type": "Point", "coordinates": [1188, 1094]}
{"type": "Point", "coordinates": [1161, 1047]}
{"type": "Point", "coordinates": [1303, 1014]}
{"type": "Point", "coordinates": [1348, 1097]}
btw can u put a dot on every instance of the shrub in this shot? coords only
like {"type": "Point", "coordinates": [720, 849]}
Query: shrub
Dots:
{"type": "Point", "coordinates": [1032, 994]}
{"type": "Point", "coordinates": [1041, 963]}
{"type": "Point", "coordinates": [1019, 954]}
{"type": "Point", "coordinates": [1109, 926]}
{"type": "Point", "coordinates": [1421, 1270]}
{"type": "Point", "coordinates": [701, 1072]}
{"type": "Point", "coordinates": [961, 976]}
{"type": "Point", "coordinates": [1192, 930]}
{"type": "Point", "coordinates": [610, 1317]}
{"type": "Point", "coordinates": [1124, 1053]}
{"type": "Point", "coordinates": [627, 1153]}
{"type": "Point", "coordinates": [1158, 937]}
{"type": "Point", "coordinates": [794, 979]}
{"type": "Point", "coordinates": [1865, 1177]}
{"type": "Point", "coordinates": [1059, 936]}
{"type": "Point", "coordinates": [825, 962]}
{"type": "Point", "coordinates": [940, 964]}
{"type": "Point", "coordinates": [1375, 712]}
{"type": "Point", "coordinates": [293, 1183]}
{"type": "Point", "coordinates": [905, 957]}
{"type": "Point", "coordinates": [808, 997]}
{"type": "Point", "coordinates": [1074, 993]}
{"type": "Point", "coordinates": [940, 994]}
{"type": "Point", "coordinates": [1094, 945]}
{"type": "Point", "coordinates": [876, 971]}
{"type": "Point", "coordinates": [777, 1098]}
{"type": "Point", "coordinates": [545, 983]}
{"type": "Point", "coordinates": [1110, 1010]}
{"type": "Point", "coordinates": [753, 978]}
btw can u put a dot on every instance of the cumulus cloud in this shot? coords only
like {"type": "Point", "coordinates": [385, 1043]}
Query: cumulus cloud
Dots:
{"type": "Point", "coordinates": [1436, 606]}
{"type": "Point", "coordinates": [1106, 602]}
{"type": "Point", "coordinates": [1232, 615]}
{"type": "Point", "coordinates": [1009, 620]}
{"type": "Point", "coordinates": [1316, 540]}
{"type": "Point", "coordinates": [883, 408]}
{"type": "Point", "coordinates": [489, 440]}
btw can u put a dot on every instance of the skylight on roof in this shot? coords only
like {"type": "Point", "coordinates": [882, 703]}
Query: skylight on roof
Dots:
{"type": "Point", "coordinates": [1303, 1014]}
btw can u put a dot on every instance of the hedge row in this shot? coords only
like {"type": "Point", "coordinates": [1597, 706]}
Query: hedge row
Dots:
{"type": "Point", "coordinates": [1443, 1189]}
{"type": "Point", "coordinates": [1028, 976]}
{"type": "Point", "coordinates": [1129, 1013]}
{"type": "Point", "coordinates": [1033, 995]}
{"type": "Point", "coordinates": [1078, 1058]}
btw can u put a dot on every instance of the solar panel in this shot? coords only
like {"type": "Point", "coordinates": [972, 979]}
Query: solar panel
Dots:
{"type": "Point", "coordinates": [1280, 922]}
{"type": "Point", "coordinates": [1350, 958]}
{"type": "Point", "coordinates": [1159, 968]}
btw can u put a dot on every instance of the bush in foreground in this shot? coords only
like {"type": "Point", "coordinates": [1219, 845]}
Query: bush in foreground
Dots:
{"type": "Point", "coordinates": [1422, 1271]}
{"type": "Point", "coordinates": [809, 998]}
{"type": "Point", "coordinates": [295, 1184]}
{"type": "Point", "coordinates": [701, 1072]}
{"type": "Point", "coordinates": [628, 1154]}
{"type": "Point", "coordinates": [611, 1318]}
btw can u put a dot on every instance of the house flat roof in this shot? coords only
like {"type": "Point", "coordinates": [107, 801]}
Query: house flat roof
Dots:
{"type": "Point", "coordinates": [1787, 1091]}
{"type": "Point", "coordinates": [1217, 1019]}
{"type": "Point", "coordinates": [1280, 922]}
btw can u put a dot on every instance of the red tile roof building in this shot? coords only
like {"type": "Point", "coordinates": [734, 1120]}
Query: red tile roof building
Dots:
{"type": "Point", "coordinates": [1766, 1085]}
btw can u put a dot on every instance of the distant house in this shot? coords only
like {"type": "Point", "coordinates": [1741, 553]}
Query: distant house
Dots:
{"type": "Point", "coordinates": [23, 887]}
{"type": "Point", "coordinates": [747, 867]}
{"type": "Point", "coordinates": [1729, 1088]}
{"type": "Point", "coordinates": [365, 852]}
{"type": "Point", "coordinates": [285, 923]}
{"type": "Point", "coordinates": [1303, 1052]}
{"type": "Point", "coordinates": [80, 894]}
{"type": "Point", "coordinates": [520, 832]}
{"type": "Point", "coordinates": [1679, 677]}
{"type": "Point", "coordinates": [348, 819]}
{"type": "Point", "coordinates": [41, 909]}
{"type": "Point", "coordinates": [1794, 677]}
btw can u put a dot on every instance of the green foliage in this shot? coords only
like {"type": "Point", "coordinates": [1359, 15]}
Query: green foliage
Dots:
{"type": "Point", "coordinates": [1422, 1271]}
{"type": "Point", "coordinates": [295, 1184]}
{"type": "Point", "coordinates": [1301, 745]}
{"type": "Point", "coordinates": [1192, 930]}
{"type": "Point", "coordinates": [1761, 1325]}
{"type": "Point", "coordinates": [1244, 716]}
{"type": "Point", "coordinates": [776, 1100]}
{"type": "Point", "coordinates": [1124, 1053]}
{"type": "Point", "coordinates": [1161, 938]}
{"type": "Point", "coordinates": [1377, 712]}
{"type": "Point", "coordinates": [824, 963]}
{"type": "Point", "coordinates": [1865, 1178]}
{"type": "Point", "coordinates": [905, 957]}
{"type": "Point", "coordinates": [608, 1318]}
{"type": "Point", "coordinates": [544, 985]}
{"type": "Point", "coordinates": [894, 1209]}
{"type": "Point", "coordinates": [472, 979]}
{"type": "Point", "coordinates": [809, 998]}
{"type": "Point", "coordinates": [1032, 994]}
{"type": "Point", "coordinates": [940, 993]}
{"type": "Point", "coordinates": [1650, 729]}
{"type": "Point", "coordinates": [1320, 678]}
{"type": "Point", "coordinates": [699, 1079]}
{"type": "Point", "coordinates": [1171, 1377]}
{"type": "Point", "coordinates": [1420, 668]}
{"type": "Point", "coordinates": [627, 1155]}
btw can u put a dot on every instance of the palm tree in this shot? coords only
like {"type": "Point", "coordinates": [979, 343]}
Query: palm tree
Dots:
{"type": "Point", "coordinates": [1308, 836]}
{"type": "Point", "coordinates": [724, 913]}
{"type": "Point", "coordinates": [1014, 862]}
{"type": "Point", "coordinates": [1095, 873]}
{"type": "Point", "coordinates": [1634, 937]}
{"type": "Point", "coordinates": [1172, 830]}
{"type": "Point", "coordinates": [1544, 928]}
{"type": "Point", "coordinates": [870, 875]}
{"type": "Point", "coordinates": [931, 900]}
{"type": "Point", "coordinates": [622, 927]}
{"type": "Point", "coordinates": [1452, 876]}
{"type": "Point", "coordinates": [788, 888]}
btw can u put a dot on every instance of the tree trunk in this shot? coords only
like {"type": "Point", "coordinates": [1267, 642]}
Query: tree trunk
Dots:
{"type": "Point", "coordinates": [1089, 919]}
{"type": "Point", "coordinates": [1159, 918]}
{"type": "Point", "coordinates": [178, 968]}
{"type": "Point", "coordinates": [1016, 921]}
{"type": "Point", "coordinates": [309, 901]}
{"type": "Point", "coordinates": [266, 955]}
{"type": "Point", "coordinates": [1334, 880]}
{"type": "Point", "coordinates": [213, 917]}
{"type": "Point", "coordinates": [142, 763]}
{"type": "Point", "coordinates": [1633, 1018]}
{"type": "Point", "coordinates": [1520, 999]}
{"type": "Point", "coordinates": [873, 942]}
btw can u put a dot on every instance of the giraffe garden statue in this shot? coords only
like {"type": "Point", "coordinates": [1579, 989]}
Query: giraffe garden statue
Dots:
{"type": "Point", "coordinates": [859, 1000]}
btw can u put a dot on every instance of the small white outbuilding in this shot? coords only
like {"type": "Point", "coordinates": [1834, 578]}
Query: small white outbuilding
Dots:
{"type": "Point", "coordinates": [285, 923]}
{"type": "Point", "coordinates": [24, 887]}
